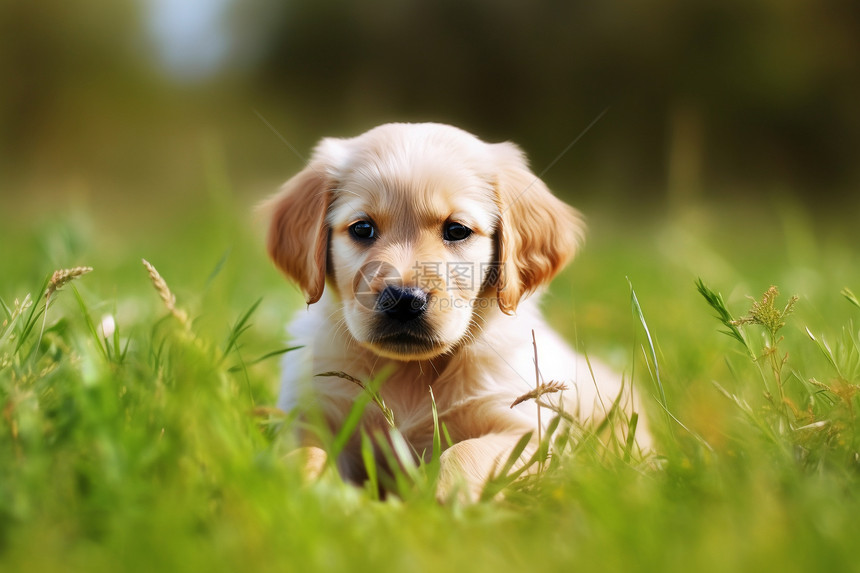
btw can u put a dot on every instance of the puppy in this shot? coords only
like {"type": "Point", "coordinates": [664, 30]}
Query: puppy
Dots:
{"type": "Point", "coordinates": [419, 249]}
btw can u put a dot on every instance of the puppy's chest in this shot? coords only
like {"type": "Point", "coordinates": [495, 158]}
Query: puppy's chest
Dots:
{"type": "Point", "coordinates": [408, 396]}
{"type": "Point", "coordinates": [469, 401]}
{"type": "Point", "coordinates": [412, 398]}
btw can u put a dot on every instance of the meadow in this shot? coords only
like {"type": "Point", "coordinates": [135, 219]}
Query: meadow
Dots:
{"type": "Point", "coordinates": [137, 431]}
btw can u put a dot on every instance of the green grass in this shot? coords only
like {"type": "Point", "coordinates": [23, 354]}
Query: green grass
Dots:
{"type": "Point", "coordinates": [155, 447]}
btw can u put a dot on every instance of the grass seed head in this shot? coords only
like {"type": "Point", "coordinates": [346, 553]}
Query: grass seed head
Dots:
{"type": "Point", "coordinates": [21, 306]}
{"type": "Point", "coordinates": [545, 388]}
{"type": "Point", "coordinates": [63, 277]}
{"type": "Point", "coordinates": [764, 313]}
{"type": "Point", "coordinates": [164, 292]}
{"type": "Point", "coordinates": [387, 412]}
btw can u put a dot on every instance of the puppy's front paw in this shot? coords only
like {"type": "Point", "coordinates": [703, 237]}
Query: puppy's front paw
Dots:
{"type": "Point", "coordinates": [311, 461]}
{"type": "Point", "coordinates": [468, 465]}
{"type": "Point", "coordinates": [455, 482]}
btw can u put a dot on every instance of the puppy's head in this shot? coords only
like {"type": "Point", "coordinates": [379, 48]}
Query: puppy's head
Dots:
{"type": "Point", "coordinates": [419, 229]}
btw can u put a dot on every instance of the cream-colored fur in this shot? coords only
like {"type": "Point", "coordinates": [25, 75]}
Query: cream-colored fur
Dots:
{"type": "Point", "coordinates": [472, 344]}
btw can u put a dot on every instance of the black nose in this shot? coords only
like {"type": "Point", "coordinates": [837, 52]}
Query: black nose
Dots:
{"type": "Point", "coordinates": [402, 304]}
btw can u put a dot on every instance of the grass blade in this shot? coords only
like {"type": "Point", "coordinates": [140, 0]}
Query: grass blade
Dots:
{"type": "Point", "coordinates": [91, 327]}
{"type": "Point", "coordinates": [30, 322]}
{"type": "Point", "coordinates": [217, 270]}
{"type": "Point", "coordinates": [716, 302]}
{"type": "Point", "coordinates": [6, 309]}
{"type": "Point", "coordinates": [504, 476]}
{"type": "Point", "coordinates": [264, 357]}
{"type": "Point", "coordinates": [637, 311]}
{"type": "Point", "coordinates": [368, 457]}
{"type": "Point", "coordinates": [825, 351]}
{"type": "Point", "coordinates": [350, 424]}
{"type": "Point", "coordinates": [852, 298]}
{"type": "Point", "coordinates": [631, 436]}
{"type": "Point", "coordinates": [437, 438]}
{"type": "Point", "coordinates": [240, 327]}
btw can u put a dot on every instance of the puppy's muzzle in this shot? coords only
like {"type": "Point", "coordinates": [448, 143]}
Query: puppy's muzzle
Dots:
{"type": "Point", "coordinates": [402, 304]}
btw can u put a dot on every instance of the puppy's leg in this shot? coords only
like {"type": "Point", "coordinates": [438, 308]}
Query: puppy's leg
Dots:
{"type": "Point", "coordinates": [310, 459]}
{"type": "Point", "coordinates": [467, 465]}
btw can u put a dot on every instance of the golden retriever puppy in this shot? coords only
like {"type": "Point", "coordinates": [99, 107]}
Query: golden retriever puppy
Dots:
{"type": "Point", "coordinates": [419, 249]}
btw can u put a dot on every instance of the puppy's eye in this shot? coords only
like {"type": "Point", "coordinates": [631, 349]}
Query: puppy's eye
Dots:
{"type": "Point", "coordinates": [455, 232]}
{"type": "Point", "coordinates": [363, 230]}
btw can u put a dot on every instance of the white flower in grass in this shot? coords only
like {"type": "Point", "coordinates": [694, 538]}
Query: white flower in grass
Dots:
{"type": "Point", "coordinates": [108, 325]}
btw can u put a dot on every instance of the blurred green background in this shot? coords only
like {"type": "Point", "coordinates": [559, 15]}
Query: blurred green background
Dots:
{"type": "Point", "coordinates": [111, 104]}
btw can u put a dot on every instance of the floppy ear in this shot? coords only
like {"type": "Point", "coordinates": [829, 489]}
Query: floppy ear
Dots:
{"type": "Point", "coordinates": [537, 235]}
{"type": "Point", "coordinates": [298, 234]}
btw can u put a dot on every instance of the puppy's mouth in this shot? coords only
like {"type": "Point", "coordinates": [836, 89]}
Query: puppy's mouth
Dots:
{"type": "Point", "coordinates": [406, 344]}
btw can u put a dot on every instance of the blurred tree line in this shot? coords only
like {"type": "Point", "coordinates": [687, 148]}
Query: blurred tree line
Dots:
{"type": "Point", "coordinates": [711, 96]}
{"type": "Point", "coordinates": [56, 54]}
